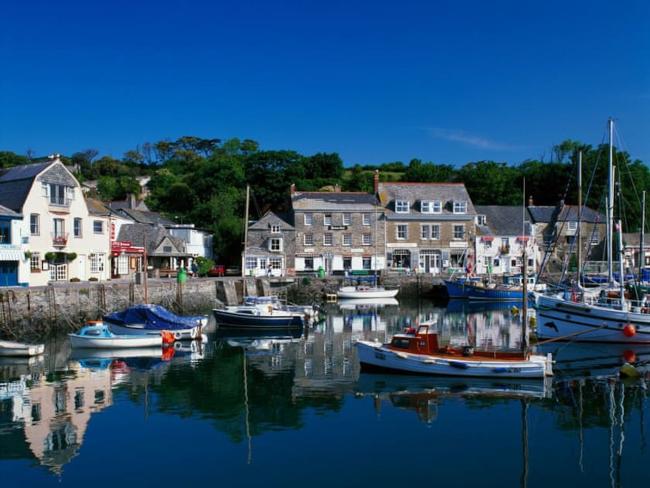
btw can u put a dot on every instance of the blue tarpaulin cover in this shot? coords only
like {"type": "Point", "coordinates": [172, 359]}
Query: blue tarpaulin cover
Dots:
{"type": "Point", "coordinates": [154, 316]}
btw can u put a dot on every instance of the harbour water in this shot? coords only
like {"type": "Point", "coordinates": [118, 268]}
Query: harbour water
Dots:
{"type": "Point", "coordinates": [292, 411]}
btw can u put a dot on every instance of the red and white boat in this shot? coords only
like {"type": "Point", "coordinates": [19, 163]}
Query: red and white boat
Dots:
{"type": "Point", "coordinates": [418, 352]}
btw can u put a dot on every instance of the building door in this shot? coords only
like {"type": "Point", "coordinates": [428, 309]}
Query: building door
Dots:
{"type": "Point", "coordinates": [8, 273]}
{"type": "Point", "coordinates": [430, 261]}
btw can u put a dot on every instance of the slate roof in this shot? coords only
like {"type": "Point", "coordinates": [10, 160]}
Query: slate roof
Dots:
{"type": "Point", "coordinates": [271, 218]}
{"type": "Point", "coordinates": [135, 233]}
{"type": "Point", "coordinates": [447, 193]}
{"type": "Point", "coordinates": [126, 204]}
{"type": "Point", "coordinates": [632, 239]}
{"type": "Point", "coordinates": [501, 220]}
{"type": "Point", "coordinates": [337, 201]}
{"type": "Point", "coordinates": [96, 207]}
{"type": "Point", "coordinates": [16, 182]}
{"type": "Point", "coordinates": [7, 212]}
{"type": "Point", "coordinates": [541, 213]}
{"type": "Point", "coordinates": [142, 217]}
{"type": "Point", "coordinates": [569, 213]}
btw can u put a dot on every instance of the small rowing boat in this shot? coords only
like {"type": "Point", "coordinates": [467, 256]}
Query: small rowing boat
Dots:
{"type": "Point", "coordinates": [19, 349]}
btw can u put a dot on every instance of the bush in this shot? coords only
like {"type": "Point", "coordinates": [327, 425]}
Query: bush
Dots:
{"type": "Point", "coordinates": [74, 280]}
{"type": "Point", "coordinates": [204, 265]}
{"type": "Point", "coordinates": [71, 256]}
{"type": "Point", "coordinates": [306, 281]}
{"type": "Point", "coordinates": [93, 279]}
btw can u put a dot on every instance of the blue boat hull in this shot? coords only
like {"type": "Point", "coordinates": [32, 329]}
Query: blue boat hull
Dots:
{"type": "Point", "coordinates": [456, 289]}
{"type": "Point", "coordinates": [256, 322]}
{"type": "Point", "coordinates": [494, 294]}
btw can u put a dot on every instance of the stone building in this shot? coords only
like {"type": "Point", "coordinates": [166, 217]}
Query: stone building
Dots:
{"type": "Point", "coordinates": [429, 226]}
{"type": "Point", "coordinates": [338, 231]}
{"type": "Point", "coordinates": [271, 243]}
{"type": "Point", "coordinates": [501, 235]}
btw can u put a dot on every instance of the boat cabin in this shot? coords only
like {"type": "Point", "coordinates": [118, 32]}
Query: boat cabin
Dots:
{"type": "Point", "coordinates": [422, 341]}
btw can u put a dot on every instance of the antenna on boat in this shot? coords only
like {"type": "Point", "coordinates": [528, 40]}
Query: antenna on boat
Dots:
{"type": "Point", "coordinates": [243, 268]}
{"type": "Point", "coordinates": [579, 236]}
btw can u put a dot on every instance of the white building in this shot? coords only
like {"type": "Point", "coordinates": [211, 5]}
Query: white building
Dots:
{"type": "Point", "coordinates": [501, 237]}
{"type": "Point", "coordinates": [58, 234]}
{"type": "Point", "coordinates": [198, 242]}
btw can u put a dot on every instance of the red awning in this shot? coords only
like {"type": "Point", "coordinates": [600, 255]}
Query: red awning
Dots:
{"type": "Point", "coordinates": [487, 238]}
{"type": "Point", "coordinates": [523, 238]}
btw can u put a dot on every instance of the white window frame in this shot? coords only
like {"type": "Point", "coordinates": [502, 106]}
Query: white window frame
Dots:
{"type": "Point", "coordinates": [425, 206]}
{"type": "Point", "coordinates": [572, 225]}
{"type": "Point", "coordinates": [436, 206]}
{"type": "Point", "coordinates": [435, 236]}
{"type": "Point", "coordinates": [35, 223]}
{"type": "Point", "coordinates": [455, 229]}
{"type": "Point", "coordinates": [325, 239]}
{"type": "Point", "coordinates": [460, 207]}
{"type": "Point", "coordinates": [276, 263]}
{"type": "Point", "coordinates": [275, 244]}
{"type": "Point", "coordinates": [308, 239]}
{"type": "Point", "coordinates": [347, 240]}
{"type": "Point", "coordinates": [275, 229]}
{"type": "Point", "coordinates": [425, 232]}
{"type": "Point", "coordinates": [308, 218]}
{"type": "Point", "coordinates": [402, 206]}
{"type": "Point", "coordinates": [367, 239]}
{"type": "Point", "coordinates": [101, 223]}
{"type": "Point", "coordinates": [96, 262]}
{"type": "Point", "coordinates": [35, 261]}
{"type": "Point", "coordinates": [74, 227]}
{"type": "Point", "coordinates": [403, 227]}
{"type": "Point", "coordinates": [347, 219]}
{"type": "Point", "coordinates": [123, 265]}
{"type": "Point", "coordinates": [327, 219]}
{"type": "Point", "coordinates": [365, 219]}
{"type": "Point", "coordinates": [250, 263]}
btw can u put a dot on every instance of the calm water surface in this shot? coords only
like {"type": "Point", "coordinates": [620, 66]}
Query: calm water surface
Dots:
{"type": "Point", "coordinates": [240, 411]}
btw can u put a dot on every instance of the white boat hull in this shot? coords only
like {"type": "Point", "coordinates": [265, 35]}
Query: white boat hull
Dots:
{"type": "Point", "coordinates": [17, 349]}
{"type": "Point", "coordinates": [557, 318]}
{"type": "Point", "coordinates": [115, 342]}
{"type": "Point", "coordinates": [378, 356]}
{"type": "Point", "coordinates": [140, 330]}
{"type": "Point", "coordinates": [361, 294]}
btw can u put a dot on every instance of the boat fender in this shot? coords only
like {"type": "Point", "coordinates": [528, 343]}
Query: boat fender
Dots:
{"type": "Point", "coordinates": [468, 351]}
{"type": "Point", "coordinates": [167, 337]}
{"type": "Point", "coordinates": [629, 356]}
{"type": "Point", "coordinates": [178, 336]}
{"type": "Point", "coordinates": [629, 330]}
{"type": "Point", "coordinates": [629, 371]}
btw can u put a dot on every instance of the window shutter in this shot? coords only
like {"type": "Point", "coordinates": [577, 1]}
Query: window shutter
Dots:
{"type": "Point", "coordinates": [46, 189]}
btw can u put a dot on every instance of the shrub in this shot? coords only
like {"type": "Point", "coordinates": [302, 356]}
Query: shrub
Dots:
{"type": "Point", "coordinates": [93, 279]}
{"type": "Point", "coordinates": [204, 265]}
{"type": "Point", "coordinates": [74, 280]}
{"type": "Point", "coordinates": [306, 281]}
{"type": "Point", "coordinates": [71, 256]}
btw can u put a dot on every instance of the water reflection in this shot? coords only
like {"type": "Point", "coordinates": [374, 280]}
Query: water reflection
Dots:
{"type": "Point", "coordinates": [247, 387]}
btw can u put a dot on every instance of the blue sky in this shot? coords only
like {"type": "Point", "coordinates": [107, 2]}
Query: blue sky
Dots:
{"type": "Point", "coordinates": [376, 81]}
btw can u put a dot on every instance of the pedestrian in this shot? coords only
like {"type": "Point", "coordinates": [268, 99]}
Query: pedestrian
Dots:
{"type": "Point", "coordinates": [269, 270]}
{"type": "Point", "coordinates": [195, 269]}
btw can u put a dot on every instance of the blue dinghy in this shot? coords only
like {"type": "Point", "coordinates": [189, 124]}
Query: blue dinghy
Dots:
{"type": "Point", "coordinates": [151, 319]}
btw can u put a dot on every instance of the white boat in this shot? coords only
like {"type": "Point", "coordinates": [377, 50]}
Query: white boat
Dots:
{"type": "Point", "coordinates": [101, 337]}
{"type": "Point", "coordinates": [361, 303]}
{"type": "Point", "coordinates": [610, 317]}
{"type": "Point", "coordinates": [360, 292]}
{"type": "Point", "coordinates": [419, 353]}
{"type": "Point", "coordinates": [19, 349]}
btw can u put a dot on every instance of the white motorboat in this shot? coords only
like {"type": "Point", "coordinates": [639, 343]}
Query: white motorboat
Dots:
{"type": "Point", "coordinates": [360, 292]}
{"type": "Point", "coordinates": [419, 353]}
{"type": "Point", "coordinates": [101, 337]}
{"type": "Point", "coordinates": [360, 303]}
{"type": "Point", "coordinates": [19, 349]}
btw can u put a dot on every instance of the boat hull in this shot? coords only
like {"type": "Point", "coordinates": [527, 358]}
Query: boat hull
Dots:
{"type": "Point", "coordinates": [142, 330]}
{"type": "Point", "coordinates": [377, 357]}
{"type": "Point", "coordinates": [370, 294]}
{"type": "Point", "coordinates": [17, 349]}
{"type": "Point", "coordinates": [558, 318]}
{"type": "Point", "coordinates": [228, 319]}
{"type": "Point", "coordinates": [114, 342]}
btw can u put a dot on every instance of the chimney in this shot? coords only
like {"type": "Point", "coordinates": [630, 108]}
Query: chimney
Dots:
{"type": "Point", "coordinates": [132, 201]}
{"type": "Point", "coordinates": [292, 188]}
{"type": "Point", "coordinates": [376, 181]}
{"type": "Point", "coordinates": [530, 201]}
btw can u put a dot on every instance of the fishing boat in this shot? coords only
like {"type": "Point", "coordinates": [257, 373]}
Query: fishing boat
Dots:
{"type": "Point", "coordinates": [418, 352]}
{"type": "Point", "coordinates": [147, 319]}
{"type": "Point", "coordinates": [261, 316]}
{"type": "Point", "coordinates": [309, 312]}
{"type": "Point", "coordinates": [19, 349]}
{"type": "Point", "coordinates": [510, 290]}
{"type": "Point", "coordinates": [459, 287]}
{"type": "Point", "coordinates": [99, 336]}
{"type": "Point", "coordinates": [365, 292]}
{"type": "Point", "coordinates": [608, 316]}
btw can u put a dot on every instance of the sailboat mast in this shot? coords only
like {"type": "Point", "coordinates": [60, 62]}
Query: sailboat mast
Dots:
{"type": "Point", "coordinates": [243, 267]}
{"type": "Point", "coordinates": [610, 202]}
{"type": "Point", "coordinates": [621, 270]}
{"type": "Point", "coordinates": [579, 248]}
{"type": "Point", "coordinates": [642, 237]}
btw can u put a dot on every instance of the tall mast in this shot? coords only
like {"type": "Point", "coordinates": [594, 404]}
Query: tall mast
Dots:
{"type": "Point", "coordinates": [642, 237]}
{"type": "Point", "coordinates": [610, 201]}
{"type": "Point", "coordinates": [243, 268]}
{"type": "Point", "coordinates": [621, 271]}
{"type": "Point", "coordinates": [579, 249]}
{"type": "Point", "coordinates": [524, 282]}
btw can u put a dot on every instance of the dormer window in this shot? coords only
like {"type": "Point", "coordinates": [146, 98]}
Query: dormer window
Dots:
{"type": "Point", "coordinates": [481, 220]}
{"type": "Point", "coordinates": [402, 206]}
{"type": "Point", "coordinates": [430, 206]}
{"type": "Point", "coordinates": [460, 207]}
{"type": "Point", "coordinates": [59, 194]}
{"type": "Point", "coordinates": [275, 229]}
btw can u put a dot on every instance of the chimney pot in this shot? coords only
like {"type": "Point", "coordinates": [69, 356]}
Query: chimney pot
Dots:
{"type": "Point", "coordinates": [530, 201]}
{"type": "Point", "coordinates": [292, 188]}
{"type": "Point", "coordinates": [376, 181]}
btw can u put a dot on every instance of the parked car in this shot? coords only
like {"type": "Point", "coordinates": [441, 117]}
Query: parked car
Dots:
{"type": "Point", "coordinates": [217, 270]}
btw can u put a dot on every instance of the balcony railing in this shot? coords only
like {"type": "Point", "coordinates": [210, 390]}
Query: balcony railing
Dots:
{"type": "Point", "coordinates": [60, 240]}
